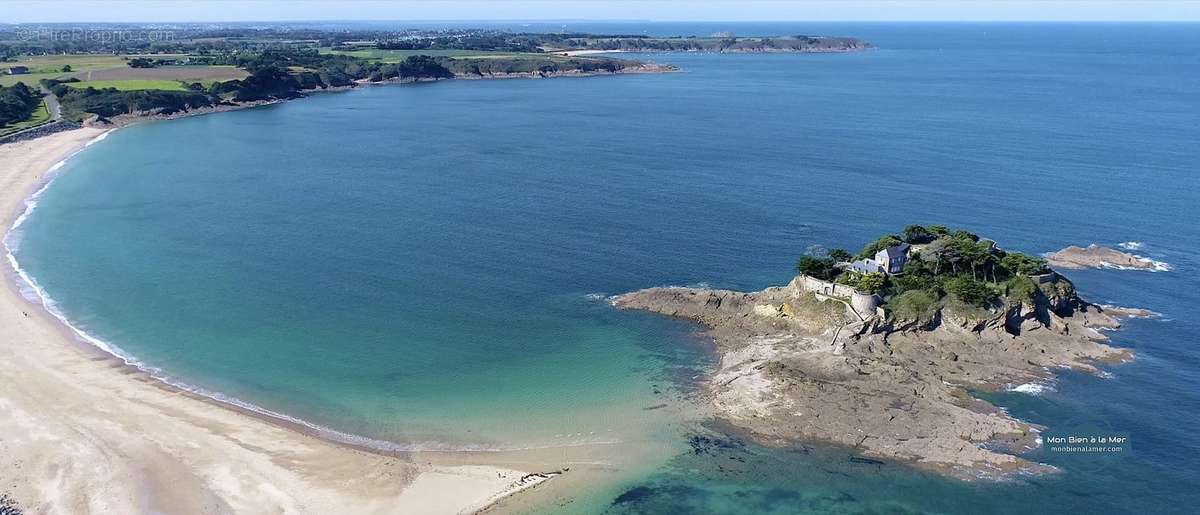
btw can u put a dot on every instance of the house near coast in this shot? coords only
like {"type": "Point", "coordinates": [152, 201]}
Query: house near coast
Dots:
{"type": "Point", "coordinates": [865, 266]}
{"type": "Point", "coordinates": [18, 70]}
{"type": "Point", "coordinates": [892, 259]}
{"type": "Point", "coordinates": [888, 261]}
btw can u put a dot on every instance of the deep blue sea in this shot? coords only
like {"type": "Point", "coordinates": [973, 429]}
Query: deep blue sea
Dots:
{"type": "Point", "coordinates": [425, 265]}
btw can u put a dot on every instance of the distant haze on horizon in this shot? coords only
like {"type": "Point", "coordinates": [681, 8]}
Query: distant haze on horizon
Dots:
{"type": "Point", "coordinates": [134, 11]}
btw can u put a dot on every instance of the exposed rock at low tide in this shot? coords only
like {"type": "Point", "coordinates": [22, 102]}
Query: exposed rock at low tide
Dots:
{"type": "Point", "coordinates": [1096, 256]}
{"type": "Point", "coordinates": [795, 369]}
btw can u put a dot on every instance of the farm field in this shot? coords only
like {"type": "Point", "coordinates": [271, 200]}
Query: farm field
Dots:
{"type": "Point", "coordinates": [130, 84]}
{"type": "Point", "coordinates": [111, 67]}
{"type": "Point", "coordinates": [203, 74]}
{"type": "Point", "coordinates": [50, 66]}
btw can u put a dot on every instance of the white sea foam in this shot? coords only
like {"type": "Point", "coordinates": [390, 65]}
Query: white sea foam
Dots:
{"type": "Point", "coordinates": [1110, 305]}
{"type": "Point", "coordinates": [1031, 388]}
{"type": "Point", "coordinates": [596, 296]}
{"type": "Point", "coordinates": [1159, 266]}
{"type": "Point", "coordinates": [31, 290]}
{"type": "Point", "coordinates": [1156, 266]}
{"type": "Point", "coordinates": [97, 139]}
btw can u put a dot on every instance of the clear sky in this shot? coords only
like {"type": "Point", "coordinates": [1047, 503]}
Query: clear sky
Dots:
{"type": "Point", "coordinates": [25, 11]}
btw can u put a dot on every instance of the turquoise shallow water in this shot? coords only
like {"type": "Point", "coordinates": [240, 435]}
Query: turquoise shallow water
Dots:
{"type": "Point", "coordinates": [421, 264]}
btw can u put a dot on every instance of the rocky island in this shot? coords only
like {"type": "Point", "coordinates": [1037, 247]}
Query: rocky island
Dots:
{"type": "Point", "coordinates": [1096, 256]}
{"type": "Point", "coordinates": [881, 351]}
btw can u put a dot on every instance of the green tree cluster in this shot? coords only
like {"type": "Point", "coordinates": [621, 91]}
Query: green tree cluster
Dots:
{"type": "Point", "coordinates": [109, 102]}
{"type": "Point", "coordinates": [954, 262]}
{"type": "Point", "coordinates": [820, 268]}
{"type": "Point", "coordinates": [874, 247]}
{"type": "Point", "coordinates": [872, 282]}
{"type": "Point", "coordinates": [17, 102]}
{"type": "Point", "coordinates": [920, 305]}
{"type": "Point", "coordinates": [970, 290]}
{"type": "Point", "coordinates": [141, 62]}
{"type": "Point", "coordinates": [840, 255]}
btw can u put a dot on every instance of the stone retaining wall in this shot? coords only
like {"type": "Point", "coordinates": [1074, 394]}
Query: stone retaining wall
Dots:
{"type": "Point", "coordinates": [864, 305]}
{"type": "Point", "coordinates": [1044, 278]}
{"type": "Point", "coordinates": [42, 130]}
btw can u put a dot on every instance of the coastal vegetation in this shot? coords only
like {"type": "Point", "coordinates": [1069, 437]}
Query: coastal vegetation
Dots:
{"type": "Point", "coordinates": [20, 104]}
{"type": "Point", "coordinates": [724, 43]}
{"type": "Point", "coordinates": [78, 102]}
{"type": "Point", "coordinates": [281, 73]}
{"type": "Point", "coordinates": [40, 116]}
{"type": "Point", "coordinates": [163, 72]}
{"type": "Point", "coordinates": [939, 263]}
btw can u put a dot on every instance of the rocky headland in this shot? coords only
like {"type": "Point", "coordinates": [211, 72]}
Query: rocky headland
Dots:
{"type": "Point", "coordinates": [717, 43]}
{"type": "Point", "coordinates": [623, 67]}
{"type": "Point", "coordinates": [798, 364]}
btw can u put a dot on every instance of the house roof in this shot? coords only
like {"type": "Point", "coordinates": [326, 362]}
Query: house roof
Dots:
{"type": "Point", "coordinates": [896, 251]}
{"type": "Point", "coordinates": [865, 266]}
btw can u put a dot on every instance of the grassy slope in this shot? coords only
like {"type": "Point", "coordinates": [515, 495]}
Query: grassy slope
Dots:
{"type": "Point", "coordinates": [40, 115]}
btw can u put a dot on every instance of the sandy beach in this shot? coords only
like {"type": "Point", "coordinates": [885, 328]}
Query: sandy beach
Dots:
{"type": "Point", "coordinates": [81, 432]}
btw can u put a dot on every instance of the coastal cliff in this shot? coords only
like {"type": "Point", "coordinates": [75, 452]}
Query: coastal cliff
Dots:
{"type": "Point", "coordinates": [610, 67]}
{"type": "Point", "coordinates": [722, 44]}
{"type": "Point", "coordinates": [624, 67]}
{"type": "Point", "coordinates": [798, 365]}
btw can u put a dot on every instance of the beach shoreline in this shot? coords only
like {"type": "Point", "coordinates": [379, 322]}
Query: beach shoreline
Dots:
{"type": "Point", "coordinates": [137, 443]}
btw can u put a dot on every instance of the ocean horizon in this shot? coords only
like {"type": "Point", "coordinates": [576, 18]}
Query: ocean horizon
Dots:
{"type": "Point", "coordinates": [427, 266]}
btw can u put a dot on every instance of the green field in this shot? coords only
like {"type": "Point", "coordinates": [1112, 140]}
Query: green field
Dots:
{"type": "Point", "coordinates": [50, 66]}
{"type": "Point", "coordinates": [130, 84]}
{"type": "Point", "coordinates": [40, 115]}
{"type": "Point", "coordinates": [109, 67]}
